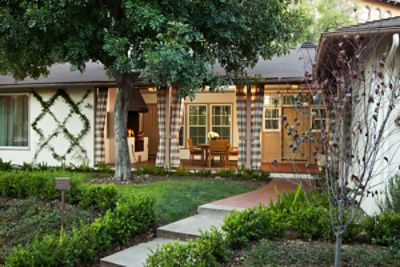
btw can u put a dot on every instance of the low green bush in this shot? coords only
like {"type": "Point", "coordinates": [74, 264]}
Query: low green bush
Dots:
{"type": "Point", "coordinates": [208, 250]}
{"type": "Point", "coordinates": [81, 247]}
{"type": "Point", "coordinates": [41, 184]}
{"type": "Point", "coordinates": [383, 229]}
{"type": "Point", "coordinates": [102, 196]}
{"type": "Point", "coordinates": [250, 224]}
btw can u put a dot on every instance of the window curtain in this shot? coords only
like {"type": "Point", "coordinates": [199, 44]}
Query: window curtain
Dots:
{"type": "Point", "coordinates": [241, 123]}
{"type": "Point", "coordinates": [161, 104]}
{"type": "Point", "coordinates": [256, 124]}
{"type": "Point", "coordinates": [176, 120]}
{"type": "Point", "coordinates": [14, 120]}
{"type": "Point", "coordinates": [100, 119]}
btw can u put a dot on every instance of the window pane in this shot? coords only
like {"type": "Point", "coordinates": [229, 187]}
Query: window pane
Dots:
{"type": "Point", "coordinates": [225, 120]}
{"type": "Point", "coordinates": [14, 120]}
{"type": "Point", "coordinates": [202, 120]}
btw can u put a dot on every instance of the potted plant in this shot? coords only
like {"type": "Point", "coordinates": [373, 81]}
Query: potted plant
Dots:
{"type": "Point", "coordinates": [213, 135]}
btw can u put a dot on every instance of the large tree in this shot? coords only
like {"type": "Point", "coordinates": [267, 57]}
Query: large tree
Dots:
{"type": "Point", "coordinates": [167, 42]}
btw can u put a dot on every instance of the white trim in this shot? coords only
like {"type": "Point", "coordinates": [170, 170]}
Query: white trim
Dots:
{"type": "Point", "coordinates": [231, 120]}
{"type": "Point", "coordinates": [21, 148]}
{"type": "Point", "coordinates": [188, 117]}
{"type": "Point", "coordinates": [279, 119]}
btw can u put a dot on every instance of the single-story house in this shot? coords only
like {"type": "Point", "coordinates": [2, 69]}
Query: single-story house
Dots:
{"type": "Point", "coordinates": [67, 117]}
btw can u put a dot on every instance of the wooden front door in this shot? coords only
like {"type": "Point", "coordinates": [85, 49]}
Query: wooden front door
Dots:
{"type": "Point", "coordinates": [295, 147]}
{"type": "Point", "coordinates": [150, 128]}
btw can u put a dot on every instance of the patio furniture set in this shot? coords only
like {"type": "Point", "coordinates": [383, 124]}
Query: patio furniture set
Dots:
{"type": "Point", "coordinates": [219, 148]}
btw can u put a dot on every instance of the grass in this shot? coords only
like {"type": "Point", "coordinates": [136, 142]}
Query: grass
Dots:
{"type": "Point", "coordinates": [298, 253]}
{"type": "Point", "coordinates": [21, 220]}
{"type": "Point", "coordinates": [177, 198]}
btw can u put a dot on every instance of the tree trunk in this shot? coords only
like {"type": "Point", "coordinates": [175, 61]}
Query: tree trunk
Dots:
{"type": "Point", "coordinates": [122, 159]}
{"type": "Point", "coordinates": [338, 250]}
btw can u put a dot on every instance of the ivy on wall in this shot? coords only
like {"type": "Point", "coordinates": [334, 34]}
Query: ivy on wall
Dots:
{"type": "Point", "coordinates": [74, 140]}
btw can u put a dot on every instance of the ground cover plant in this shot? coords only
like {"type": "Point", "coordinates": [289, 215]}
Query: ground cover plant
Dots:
{"type": "Point", "coordinates": [300, 253]}
{"type": "Point", "coordinates": [22, 220]}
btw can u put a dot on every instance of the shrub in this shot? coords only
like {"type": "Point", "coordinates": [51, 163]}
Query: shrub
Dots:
{"type": "Point", "coordinates": [180, 171]}
{"type": "Point", "coordinates": [117, 226]}
{"type": "Point", "coordinates": [209, 250]}
{"type": "Point", "coordinates": [5, 165]}
{"type": "Point", "coordinates": [250, 224]}
{"type": "Point", "coordinates": [392, 196]}
{"type": "Point", "coordinates": [383, 229]}
{"type": "Point", "coordinates": [38, 184]}
{"type": "Point", "coordinates": [41, 184]}
{"type": "Point", "coordinates": [102, 196]}
{"type": "Point", "coordinates": [225, 173]}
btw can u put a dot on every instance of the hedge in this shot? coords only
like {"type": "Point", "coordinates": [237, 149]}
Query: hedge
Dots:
{"type": "Point", "coordinates": [40, 184]}
{"type": "Point", "coordinates": [83, 245]}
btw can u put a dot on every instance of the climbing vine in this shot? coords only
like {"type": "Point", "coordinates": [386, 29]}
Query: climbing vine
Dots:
{"type": "Point", "coordinates": [74, 140]}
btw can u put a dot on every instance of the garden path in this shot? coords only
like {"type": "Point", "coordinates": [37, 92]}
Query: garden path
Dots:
{"type": "Point", "coordinates": [208, 216]}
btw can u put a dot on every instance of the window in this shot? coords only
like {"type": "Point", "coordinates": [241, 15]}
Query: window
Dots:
{"type": "Point", "coordinates": [271, 100]}
{"type": "Point", "coordinates": [221, 120]}
{"type": "Point", "coordinates": [387, 14]}
{"type": "Point", "coordinates": [376, 14]}
{"type": "Point", "coordinates": [295, 100]}
{"type": "Point", "coordinates": [14, 120]}
{"type": "Point", "coordinates": [318, 119]}
{"type": "Point", "coordinates": [272, 119]}
{"type": "Point", "coordinates": [365, 14]}
{"type": "Point", "coordinates": [198, 123]}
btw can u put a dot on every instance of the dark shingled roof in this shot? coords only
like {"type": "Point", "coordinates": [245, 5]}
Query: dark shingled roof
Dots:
{"type": "Point", "coordinates": [62, 74]}
{"type": "Point", "coordinates": [286, 68]}
{"type": "Point", "coordinates": [393, 22]}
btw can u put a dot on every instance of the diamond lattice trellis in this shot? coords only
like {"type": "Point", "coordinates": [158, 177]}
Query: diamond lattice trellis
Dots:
{"type": "Point", "coordinates": [74, 140]}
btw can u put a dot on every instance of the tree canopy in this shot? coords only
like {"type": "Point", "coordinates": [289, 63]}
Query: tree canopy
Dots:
{"type": "Point", "coordinates": [332, 14]}
{"type": "Point", "coordinates": [165, 41]}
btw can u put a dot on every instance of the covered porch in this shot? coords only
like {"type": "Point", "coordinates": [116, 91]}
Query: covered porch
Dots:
{"type": "Point", "coordinates": [253, 118]}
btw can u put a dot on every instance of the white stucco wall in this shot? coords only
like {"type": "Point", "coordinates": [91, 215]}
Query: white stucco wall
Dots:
{"type": "Point", "coordinates": [48, 125]}
{"type": "Point", "coordinates": [387, 161]}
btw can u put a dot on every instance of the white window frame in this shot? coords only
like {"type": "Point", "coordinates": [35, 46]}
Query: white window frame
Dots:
{"type": "Point", "coordinates": [29, 120]}
{"type": "Point", "coordinates": [311, 119]}
{"type": "Point", "coordinates": [231, 124]}
{"type": "Point", "coordinates": [279, 118]}
{"type": "Point", "coordinates": [188, 119]}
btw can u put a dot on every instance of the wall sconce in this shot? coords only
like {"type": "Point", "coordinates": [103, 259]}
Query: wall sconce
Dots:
{"type": "Point", "coordinates": [294, 86]}
{"type": "Point", "coordinates": [152, 89]}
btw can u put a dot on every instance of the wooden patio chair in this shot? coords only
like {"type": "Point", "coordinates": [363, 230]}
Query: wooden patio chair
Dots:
{"type": "Point", "coordinates": [218, 148]}
{"type": "Point", "coordinates": [194, 151]}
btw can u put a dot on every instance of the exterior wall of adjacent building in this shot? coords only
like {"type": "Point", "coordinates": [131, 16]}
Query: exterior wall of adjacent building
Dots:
{"type": "Point", "coordinates": [48, 126]}
{"type": "Point", "coordinates": [369, 10]}
{"type": "Point", "coordinates": [387, 161]}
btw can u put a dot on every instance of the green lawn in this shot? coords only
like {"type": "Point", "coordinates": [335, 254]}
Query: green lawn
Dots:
{"type": "Point", "coordinates": [177, 198]}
